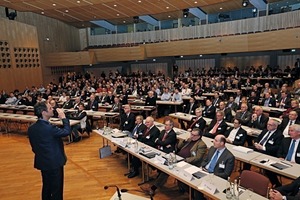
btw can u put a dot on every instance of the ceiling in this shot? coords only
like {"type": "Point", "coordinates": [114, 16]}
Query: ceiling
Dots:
{"type": "Point", "coordinates": [79, 13]}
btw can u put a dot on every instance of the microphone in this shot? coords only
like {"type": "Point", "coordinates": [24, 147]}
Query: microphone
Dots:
{"type": "Point", "coordinates": [118, 190]}
{"type": "Point", "coordinates": [126, 190]}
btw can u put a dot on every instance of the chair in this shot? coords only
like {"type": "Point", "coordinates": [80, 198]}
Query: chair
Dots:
{"type": "Point", "coordinates": [258, 182]}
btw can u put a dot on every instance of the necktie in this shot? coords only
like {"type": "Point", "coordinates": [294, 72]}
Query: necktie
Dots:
{"type": "Point", "coordinates": [147, 132]}
{"type": "Point", "coordinates": [291, 122]}
{"type": "Point", "coordinates": [291, 150]}
{"type": "Point", "coordinates": [194, 123]}
{"type": "Point", "coordinates": [135, 129]}
{"type": "Point", "coordinates": [213, 162]}
{"type": "Point", "coordinates": [191, 107]}
{"type": "Point", "coordinates": [263, 141]}
{"type": "Point", "coordinates": [243, 115]}
{"type": "Point", "coordinates": [163, 139]}
{"type": "Point", "coordinates": [214, 130]}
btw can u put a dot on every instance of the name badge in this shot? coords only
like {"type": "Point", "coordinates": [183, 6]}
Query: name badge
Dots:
{"type": "Point", "coordinates": [271, 142]}
{"type": "Point", "coordinates": [240, 135]}
{"type": "Point", "coordinates": [222, 166]}
{"type": "Point", "coordinates": [298, 154]}
{"type": "Point", "coordinates": [148, 137]}
{"type": "Point", "coordinates": [270, 104]}
{"type": "Point", "coordinates": [237, 137]}
{"type": "Point", "coordinates": [219, 128]}
{"type": "Point", "coordinates": [193, 153]}
{"type": "Point", "coordinates": [197, 125]}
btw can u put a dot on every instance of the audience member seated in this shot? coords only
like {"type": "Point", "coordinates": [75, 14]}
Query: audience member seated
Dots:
{"type": "Point", "coordinates": [216, 101]}
{"type": "Point", "coordinates": [236, 135]}
{"type": "Point", "coordinates": [82, 116]}
{"type": "Point", "coordinates": [217, 126]}
{"type": "Point", "coordinates": [227, 112]}
{"type": "Point", "coordinates": [231, 104]}
{"type": "Point", "coordinates": [139, 128]}
{"type": "Point", "coordinates": [68, 104]}
{"type": "Point", "coordinates": [127, 119]}
{"type": "Point", "coordinates": [268, 101]}
{"type": "Point", "coordinates": [244, 115]}
{"type": "Point", "coordinates": [198, 121]}
{"type": "Point", "coordinates": [209, 110]}
{"type": "Point", "coordinates": [287, 122]}
{"type": "Point", "coordinates": [11, 99]}
{"type": "Point", "coordinates": [284, 101]}
{"type": "Point", "coordinates": [286, 192]}
{"type": "Point", "coordinates": [110, 98]}
{"type": "Point", "coordinates": [92, 103]}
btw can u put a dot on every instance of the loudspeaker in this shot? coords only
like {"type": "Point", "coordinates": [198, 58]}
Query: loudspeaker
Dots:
{"type": "Point", "coordinates": [10, 15]}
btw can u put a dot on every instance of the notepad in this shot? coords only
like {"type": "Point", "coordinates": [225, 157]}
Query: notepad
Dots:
{"type": "Point", "coordinates": [242, 149]}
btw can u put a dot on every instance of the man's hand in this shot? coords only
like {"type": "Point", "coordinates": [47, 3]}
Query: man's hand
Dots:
{"type": "Point", "coordinates": [61, 113]}
{"type": "Point", "coordinates": [275, 195]}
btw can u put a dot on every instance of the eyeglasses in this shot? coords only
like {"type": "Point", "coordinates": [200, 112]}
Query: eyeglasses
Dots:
{"type": "Point", "coordinates": [193, 135]}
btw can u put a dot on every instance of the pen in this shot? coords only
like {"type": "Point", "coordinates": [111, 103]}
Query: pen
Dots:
{"type": "Point", "coordinates": [287, 163]}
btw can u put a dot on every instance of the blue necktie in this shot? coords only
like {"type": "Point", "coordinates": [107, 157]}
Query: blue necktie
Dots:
{"type": "Point", "coordinates": [135, 129]}
{"type": "Point", "coordinates": [263, 141]}
{"type": "Point", "coordinates": [291, 150]}
{"type": "Point", "coordinates": [213, 162]}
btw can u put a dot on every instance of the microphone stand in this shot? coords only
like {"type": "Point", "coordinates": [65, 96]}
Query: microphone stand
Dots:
{"type": "Point", "coordinates": [126, 190]}
{"type": "Point", "coordinates": [118, 190]}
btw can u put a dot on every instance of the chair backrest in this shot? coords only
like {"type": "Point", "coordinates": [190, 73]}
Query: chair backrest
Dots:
{"type": "Point", "coordinates": [258, 182]}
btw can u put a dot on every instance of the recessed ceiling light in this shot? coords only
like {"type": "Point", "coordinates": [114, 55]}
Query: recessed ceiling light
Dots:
{"type": "Point", "coordinates": [181, 56]}
{"type": "Point", "coordinates": [78, 1]}
{"type": "Point", "coordinates": [169, 16]}
{"type": "Point", "coordinates": [167, 7]}
{"type": "Point", "coordinates": [200, 55]}
{"type": "Point", "coordinates": [54, 4]}
{"type": "Point", "coordinates": [66, 11]}
{"type": "Point", "coordinates": [124, 22]}
{"type": "Point", "coordinates": [195, 2]}
{"type": "Point", "coordinates": [140, 1]}
{"type": "Point", "coordinates": [221, 8]}
{"type": "Point", "coordinates": [42, 12]}
{"type": "Point", "coordinates": [115, 5]}
{"type": "Point", "coordinates": [118, 14]}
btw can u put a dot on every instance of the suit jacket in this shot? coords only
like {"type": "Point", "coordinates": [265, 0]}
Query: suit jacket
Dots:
{"type": "Point", "coordinates": [152, 135]}
{"type": "Point", "coordinates": [234, 106]}
{"type": "Point", "coordinates": [225, 158]}
{"type": "Point", "coordinates": [110, 100]}
{"type": "Point", "coordinates": [188, 107]}
{"type": "Point", "coordinates": [116, 107]}
{"type": "Point", "coordinates": [92, 105]}
{"type": "Point", "coordinates": [262, 123]}
{"type": "Point", "coordinates": [216, 102]}
{"type": "Point", "coordinates": [253, 100]}
{"type": "Point", "coordinates": [246, 119]}
{"type": "Point", "coordinates": [284, 149]}
{"type": "Point", "coordinates": [291, 191]}
{"type": "Point", "coordinates": [272, 102]}
{"type": "Point", "coordinates": [285, 121]}
{"type": "Point", "coordinates": [240, 137]}
{"type": "Point", "coordinates": [209, 112]}
{"type": "Point", "coordinates": [140, 130]}
{"type": "Point", "coordinates": [228, 115]}
{"type": "Point", "coordinates": [127, 122]}
{"type": "Point", "coordinates": [287, 102]}
{"type": "Point", "coordinates": [273, 143]}
{"type": "Point", "coordinates": [150, 101]}
{"type": "Point", "coordinates": [220, 130]}
{"type": "Point", "coordinates": [68, 104]}
{"type": "Point", "coordinates": [197, 151]}
{"type": "Point", "coordinates": [200, 123]}
{"type": "Point", "coordinates": [47, 145]}
{"type": "Point", "coordinates": [169, 140]}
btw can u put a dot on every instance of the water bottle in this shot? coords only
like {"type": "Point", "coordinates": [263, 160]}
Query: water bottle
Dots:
{"type": "Point", "coordinates": [170, 161]}
{"type": "Point", "coordinates": [228, 189]}
{"type": "Point", "coordinates": [235, 191]}
{"type": "Point", "coordinates": [174, 159]}
{"type": "Point", "coordinates": [104, 130]}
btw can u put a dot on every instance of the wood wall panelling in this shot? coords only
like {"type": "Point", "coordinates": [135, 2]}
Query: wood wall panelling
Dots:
{"type": "Point", "coordinates": [67, 58]}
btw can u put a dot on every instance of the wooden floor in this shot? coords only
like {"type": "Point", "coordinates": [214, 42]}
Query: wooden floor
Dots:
{"type": "Point", "coordinates": [85, 173]}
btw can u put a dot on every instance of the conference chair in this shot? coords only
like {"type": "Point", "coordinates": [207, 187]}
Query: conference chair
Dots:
{"type": "Point", "coordinates": [258, 182]}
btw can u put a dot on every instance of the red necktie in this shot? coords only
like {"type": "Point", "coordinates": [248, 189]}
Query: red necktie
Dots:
{"type": "Point", "coordinates": [147, 132]}
{"type": "Point", "coordinates": [214, 130]}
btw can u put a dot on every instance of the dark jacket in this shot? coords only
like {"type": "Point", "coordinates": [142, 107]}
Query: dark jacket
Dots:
{"type": "Point", "coordinates": [272, 144]}
{"type": "Point", "coordinates": [240, 137]}
{"type": "Point", "coordinates": [284, 149]}
{"type": "Point", "coordinates": [168, 144]}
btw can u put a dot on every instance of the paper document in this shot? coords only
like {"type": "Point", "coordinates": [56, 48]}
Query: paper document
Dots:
{"type": "Point", "coordinates": [242, 149]}
{"type": "Point", "coordinates": [192, 169]}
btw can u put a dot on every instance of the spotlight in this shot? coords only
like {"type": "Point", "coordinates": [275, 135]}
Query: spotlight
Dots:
{"type": "Point", "coordinates": [245, 3]}
{"type": "Point", "coordinates": [185, 13]}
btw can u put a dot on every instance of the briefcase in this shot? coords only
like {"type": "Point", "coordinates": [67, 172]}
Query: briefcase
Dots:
{"type": "Point", "coordinates": [105, 151]}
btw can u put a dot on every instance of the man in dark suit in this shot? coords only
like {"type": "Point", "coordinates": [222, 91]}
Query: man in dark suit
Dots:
{"type": "Point", "coordinates": [167, 139]}
{"type": "Point", "coordinates": [47, 145]}
{"type": "Point", "coordinates": [198, 121]}
{"type": "Point", "coordinates": [127, 119]}
{"type": "Point", "coordinates": [151, 99]}
{"type": "Point", "coordinates": [268, 101]}
{"type": "Point", "coordinates": [231, 104]}
{"type": "Point", "coordinates": [68, 104]}
{"type": "Point", "coordinates": [219, 161]}
{"type": "Point", "coordinates": [148, 137]}
{"type": "Point", "coordinates": [82, 116]}
{"type": "Point", "coordinates": [236, 135]}
{"type": "Point", "coordinates": [217, 100]}
{"type": "Point", "coordinates": [217, 126]}
{"type": "Point", "coordinates": [244, 115]}
{"type": "Point", "coordinates": [189, 109]}
{"type": "Point", "coordinates": [259, 120]}
{"type": "Point", "coordinates": [227, 112]}
{"type": "Point", "coordinates": [288, 192]}
{"type": "Point", "coordinates": [209, 110]}
{"type": "Point", "coordinates": [284, 101]}
{"type": "Point", "coordinates": [287, 121]}
{"type": "Point", "coordinates": [139, 128]}
{"type": "Point", "coordinates": [110, 98]}
{"type": "Point", "coordinates": [92, 104]}
{"type": "Point", "coordinates": [116, 106]}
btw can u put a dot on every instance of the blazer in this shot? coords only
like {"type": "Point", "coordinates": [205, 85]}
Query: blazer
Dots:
{"type": "Point", "coordinates": [110, 100]}
{"type": "Point", "coordinates": [116, 107]}
{"type": "Point", "coordinates": [47, 145]}
{"type": "Point", "coordinates": [234, 106]}
{"type": "Point", "coordinates": [253, 100]}
{"type": "Point", "coordinates": [225, 158]}
{"type": "Point", "coordinates": [284, 149]}
{"type": "Point", "coordinates": [216, 102]}
{"type": "Point", "coordinates": [291, 191]}
{"type": "Point", "coordinates": [272, 102]}
{"type": "Point", "coordinates": [287, 102]}
{"type": "Point", "coordinates": [220, 130]}
{"type": "Point", "coordinates": [209, 112]}
{"type": "Point", "coordinates": [188, 107]}
{"type": "Point", "coordinates": [127, 122]}
{"type": "Point", "coordinates": [150, 139]}
{"type": "Point", "coordinates": [140, 130]}
{"type": "Point", "coordinates": [68, 104]}
{"type": "Point", "coordinates": [285, 121]}
{"type": "Point", "coordinates": [169, 140]}
{"type": "Point", "coordinates": [240, 137]}
{"type": "Point", "coordinates": [197, 151]}
{"type": "Point", "coordinates": [150, 101]}
{"type": "Point", "coordinates": [228, 115]}
{"type": "Point", "coordinates": [92, 105]}
{"type": "Point", "coordinates": [82, 116]}
{"type": "Point", "coordinates": [262, 123]}
{"type": "Point", "coordinates": [200, 123]}
{"type": "Point", "coordinates": [273, 143]}
{"type": "Point", "coordinates": [246, 119]}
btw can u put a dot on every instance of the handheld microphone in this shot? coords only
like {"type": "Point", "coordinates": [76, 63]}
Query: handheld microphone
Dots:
{"type": "Point", "coordinates": [118, 190]}
{"type": "Point", "coordinates": [126, 190]}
